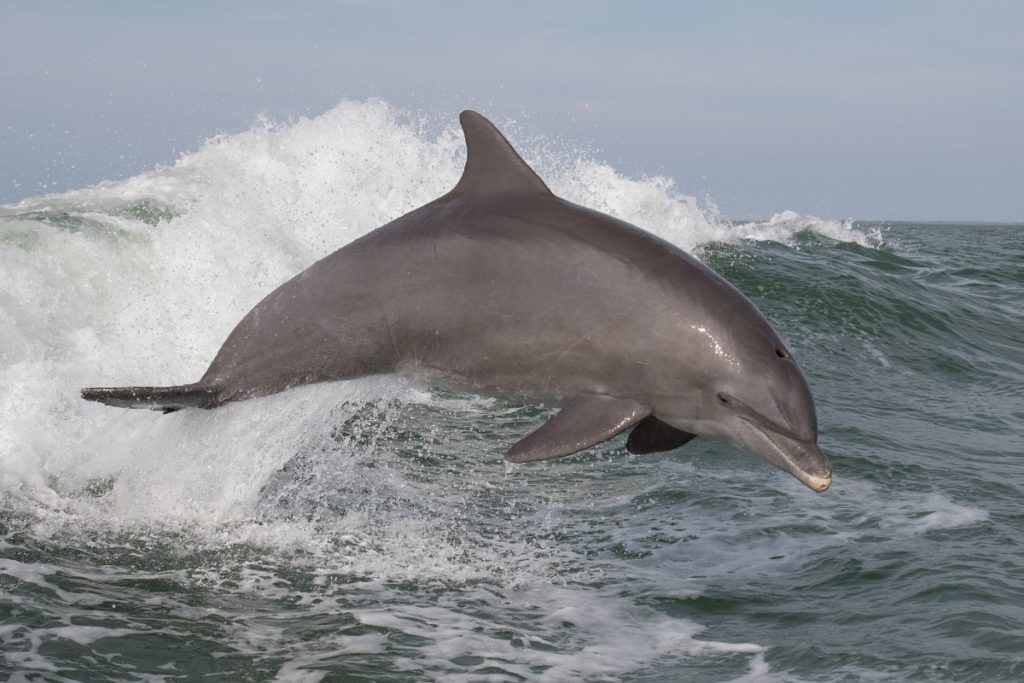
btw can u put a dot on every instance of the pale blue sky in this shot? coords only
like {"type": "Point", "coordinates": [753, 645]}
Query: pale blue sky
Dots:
{"type": "Point", "coordinates": [871, 110]}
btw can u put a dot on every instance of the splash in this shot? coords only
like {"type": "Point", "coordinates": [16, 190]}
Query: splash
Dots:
{"type": "Point", "coordinates": [784, 226]}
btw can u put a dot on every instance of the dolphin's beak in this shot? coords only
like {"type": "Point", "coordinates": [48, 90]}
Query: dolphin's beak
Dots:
{"type": "Point", "coordinates": [803, 459]}
{"type": "Point", "coordinates": [811, 467]}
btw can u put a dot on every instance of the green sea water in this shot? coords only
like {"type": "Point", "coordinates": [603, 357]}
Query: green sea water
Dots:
{"type": "Point", "coordinates": [371, 531]}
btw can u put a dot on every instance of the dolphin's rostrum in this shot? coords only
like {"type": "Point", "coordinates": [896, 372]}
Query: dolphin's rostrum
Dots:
{"type": "Point", "coordinates": [501, 286]}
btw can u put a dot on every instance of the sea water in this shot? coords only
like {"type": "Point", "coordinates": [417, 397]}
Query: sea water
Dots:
{"type": "Point", "coordinates": [370, 530]}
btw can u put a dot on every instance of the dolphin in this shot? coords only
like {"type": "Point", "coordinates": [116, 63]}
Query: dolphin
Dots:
{"type": "Point", "coordinates": [503, 287]}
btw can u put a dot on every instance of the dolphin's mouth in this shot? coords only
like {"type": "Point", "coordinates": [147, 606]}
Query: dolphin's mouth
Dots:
{"type": "Point", "coordinates": [803, 459]}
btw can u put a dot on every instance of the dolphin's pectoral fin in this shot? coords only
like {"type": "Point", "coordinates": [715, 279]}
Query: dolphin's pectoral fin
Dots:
{"type": "Point", "coordinates": [587, 420]}
{"type": "Point", "coordinates": [653, 436]}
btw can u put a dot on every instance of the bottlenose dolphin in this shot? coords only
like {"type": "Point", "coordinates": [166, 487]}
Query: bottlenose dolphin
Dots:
{"type": "Point", "coordinates": [501, 286]}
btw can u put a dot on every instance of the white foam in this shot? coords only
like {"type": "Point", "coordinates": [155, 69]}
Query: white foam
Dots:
{"type": "Point", "coordinates": [562, 634]}
{"type": "Point", "coordinates": [918, 513]}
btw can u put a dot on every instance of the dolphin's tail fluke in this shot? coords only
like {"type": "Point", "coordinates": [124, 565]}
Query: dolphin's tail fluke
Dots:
{"type": "Point", "coordinates": [167, 399]}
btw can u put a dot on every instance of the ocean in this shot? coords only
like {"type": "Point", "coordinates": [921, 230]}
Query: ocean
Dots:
{"type": "Point", "coordinates": [370, 530]}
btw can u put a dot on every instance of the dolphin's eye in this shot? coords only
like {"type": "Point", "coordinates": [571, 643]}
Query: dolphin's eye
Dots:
{"type": "Point", "coordinates": [724, 400]}
{"type": "Point", "coordinates": [780, 353]}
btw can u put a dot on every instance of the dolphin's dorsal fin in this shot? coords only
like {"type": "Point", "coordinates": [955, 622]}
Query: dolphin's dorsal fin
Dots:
{"type": "Point", "coordinates": [492, 165]}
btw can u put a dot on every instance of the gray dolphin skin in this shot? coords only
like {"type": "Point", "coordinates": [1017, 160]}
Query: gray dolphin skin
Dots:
{"type": "Point", "coordinates": [503, 287]}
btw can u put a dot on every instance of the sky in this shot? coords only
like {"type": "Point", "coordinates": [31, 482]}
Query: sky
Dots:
{"type": "Point", "coordinates": [896, 110]}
